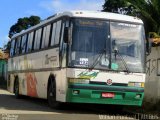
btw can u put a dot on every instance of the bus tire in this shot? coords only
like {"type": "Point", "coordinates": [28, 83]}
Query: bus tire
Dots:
{"type": "Point", "coordinates": [51, 95]}
{"type": "Point", "coordinates": [16, 88]}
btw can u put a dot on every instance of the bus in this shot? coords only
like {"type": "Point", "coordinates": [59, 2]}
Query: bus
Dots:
{"type": "Point", "coordinates": [80, 57]}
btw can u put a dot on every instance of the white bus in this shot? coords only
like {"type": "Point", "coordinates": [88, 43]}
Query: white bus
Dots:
{"type": "Point", "coordinates": [80, 57]}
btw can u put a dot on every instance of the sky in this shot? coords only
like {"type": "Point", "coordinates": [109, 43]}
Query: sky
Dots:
{"type": "Point", "coordinates": [12, 10]}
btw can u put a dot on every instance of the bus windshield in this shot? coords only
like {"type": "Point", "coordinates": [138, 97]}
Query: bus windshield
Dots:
{"type": "Point", "coordinates": [128, 40]}
{"type": "Point", "coordinates": [94, 41]}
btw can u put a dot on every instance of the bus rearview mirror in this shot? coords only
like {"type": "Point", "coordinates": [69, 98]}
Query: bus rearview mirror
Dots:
{"type": "Point", "coordinates": [67, 35]}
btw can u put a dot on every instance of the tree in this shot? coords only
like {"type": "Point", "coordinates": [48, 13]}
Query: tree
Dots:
{"type": "Point", "coordinates": [23, 24]}
{"type": "Point", "coordinates": [147, 10]}
{"type": "Point", "coordinates": [114, 5]}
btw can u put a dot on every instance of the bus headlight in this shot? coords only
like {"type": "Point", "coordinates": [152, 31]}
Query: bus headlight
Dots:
{"type": "Point", "coordinates": [78, 80]}
{"type": "Point", "coordinates": [136, 84]}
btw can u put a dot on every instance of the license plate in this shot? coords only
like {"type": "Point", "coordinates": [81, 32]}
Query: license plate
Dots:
{"type": "Point", "coordinates": [108, 95]}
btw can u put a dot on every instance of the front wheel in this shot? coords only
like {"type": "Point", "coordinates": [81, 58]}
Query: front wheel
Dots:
{"type": "Point", "coordinates": [51, 96]}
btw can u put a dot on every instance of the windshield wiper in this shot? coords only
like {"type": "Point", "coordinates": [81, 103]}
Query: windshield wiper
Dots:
{"type": "Point", "coordinates": [116, 52]}
{"type": "Point", "coordinates": [97, 60]}
{"type": "Point", "coordinates": [124, 62]}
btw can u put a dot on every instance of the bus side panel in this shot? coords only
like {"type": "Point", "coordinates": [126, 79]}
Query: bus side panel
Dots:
{"type": "Point", "coordinates": [61, 83]}
{"type": "Point", "coordinates": [35, 84]}
{"type": "Point", "coordinates": [33, 71]}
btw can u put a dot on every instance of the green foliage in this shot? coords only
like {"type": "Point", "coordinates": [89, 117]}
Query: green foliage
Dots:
{"type": "Point", "coordinates": [23, 24]}
{"type": "Point", "coordinates": [114, 5]}
{"type": "Point", "coordinates": [147, 10]}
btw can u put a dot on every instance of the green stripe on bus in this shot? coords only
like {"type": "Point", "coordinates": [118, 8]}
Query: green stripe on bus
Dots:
{"type": "Point", "coordinates": [94, 96]}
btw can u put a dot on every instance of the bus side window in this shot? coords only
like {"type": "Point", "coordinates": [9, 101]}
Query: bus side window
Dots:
{"type": "Point", "coordinates": [24, 43]}
{"type": "Point", "coordinates": [58, 30]}
{"type": "Point", "coordinates": [55, 38]}
{"type": "Point", "coordinates": [37, 39]}
{"type": "Point", "coordinates": [62, 33]}
{"type": "Point", "coordinates": [53, 34]}
{"type": "Point", "coordinates": [17, 48]}
{"type": "Point", "coordinates": [29, 43]}
{"type": "Point", "coordinates": [46, 36]}
{"type": "Point", "coordinates": [12, 47]}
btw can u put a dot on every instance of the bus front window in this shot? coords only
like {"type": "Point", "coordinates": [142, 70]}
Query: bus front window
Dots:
{"type": "Point", "coordinates": [97, 45]}
{"type": "Point", "coordinates": [128, 40]}
{"type": "Point", "coordinates": [89, 40]}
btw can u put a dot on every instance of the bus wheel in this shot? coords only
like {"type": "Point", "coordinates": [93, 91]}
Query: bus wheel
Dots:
{"type": "Point", "coordinates": [16, 89]}
{"type": "Point", "coordinates": [51, 96]}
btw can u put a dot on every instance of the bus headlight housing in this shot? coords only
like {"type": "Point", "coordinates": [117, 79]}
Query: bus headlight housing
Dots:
{"type": "Point", "coordinates": [78, 80]}
{"type": "Point", "coordinates": [136, 84]}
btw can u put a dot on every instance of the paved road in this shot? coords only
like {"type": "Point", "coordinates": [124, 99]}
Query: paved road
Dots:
{"type": "Point", "coordinates": [38, 109]}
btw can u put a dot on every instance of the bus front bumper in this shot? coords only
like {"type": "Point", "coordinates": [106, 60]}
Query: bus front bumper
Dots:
{"type": "Point", "coordinates": [88, 93]}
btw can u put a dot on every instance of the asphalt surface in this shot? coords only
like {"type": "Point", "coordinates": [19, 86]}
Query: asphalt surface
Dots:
{"type": "Point", "coordinates": [37, 109]}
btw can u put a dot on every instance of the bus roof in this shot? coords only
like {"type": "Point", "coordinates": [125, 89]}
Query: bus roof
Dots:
{"type": "Point", "coordinates": [86, 14]}
{"type": "Point", "coordinates": [103, 15]}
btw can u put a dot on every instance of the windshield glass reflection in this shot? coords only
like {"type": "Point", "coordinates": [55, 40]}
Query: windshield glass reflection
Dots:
{"type": "Point", "coordinates": [89, 41]}
{"type": "Point", "coordinates": [127, 38]}
{"type": "Point", "coordinates": [94, 43]}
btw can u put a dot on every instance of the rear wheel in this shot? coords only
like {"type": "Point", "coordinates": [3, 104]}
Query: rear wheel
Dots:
{"type": "Point", "coordinates": [51, 95]}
